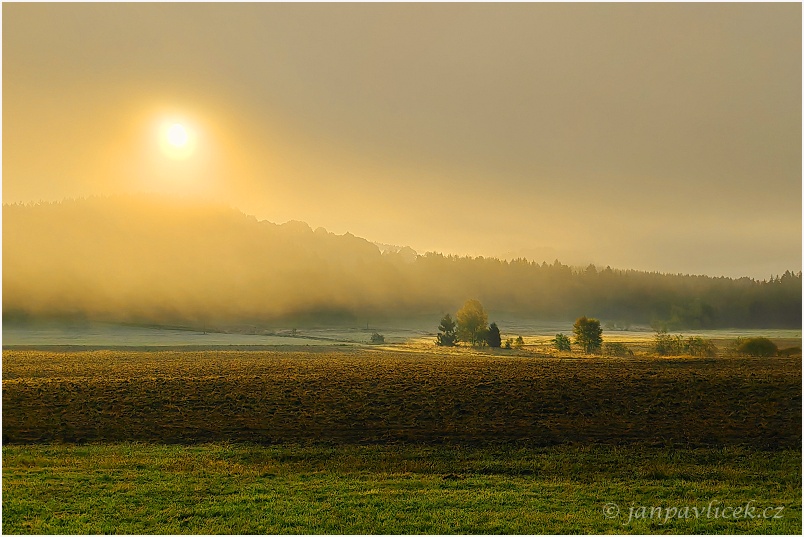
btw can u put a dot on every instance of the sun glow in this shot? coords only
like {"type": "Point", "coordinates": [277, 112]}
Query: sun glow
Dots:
{"type": "Point", "coordinates": [177, 135]}
{"type": "Point", "coordinates": [177, 140]}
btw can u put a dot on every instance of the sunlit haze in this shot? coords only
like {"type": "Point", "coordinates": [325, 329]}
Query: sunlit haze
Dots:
{"type": "Point", "coordinates": [662, 137]}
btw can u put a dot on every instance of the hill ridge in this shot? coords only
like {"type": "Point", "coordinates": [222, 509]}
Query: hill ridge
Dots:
{"type": "Point", "coordinates": [137, 258]}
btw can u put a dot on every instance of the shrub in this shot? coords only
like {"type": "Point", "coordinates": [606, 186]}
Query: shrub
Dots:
{"type": "Point", "coordinates": [616, 349]}
{"type": "Point", "coordinates": [377, 338]}
{"type": "Point", "coordinates": [756, 346]}
{"type": "Point", "coordinates": [698, 346]}
{"type": "Point", "coordinates": [519, 342]}
{"type": "Point", "coordinates": [562, 342]}
{"type": "Point", "coordinates": [667, 345]}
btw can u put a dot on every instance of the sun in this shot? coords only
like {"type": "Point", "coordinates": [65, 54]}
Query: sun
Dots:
{"type": "Point", "coordinates": [177, 135]}
{"type": "Point", "coordinates": [177, 139]}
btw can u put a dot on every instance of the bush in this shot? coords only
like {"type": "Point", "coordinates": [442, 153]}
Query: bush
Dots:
{"type": "Point", "coordinates": [698, 346]}
{"type": "Point", "coordinates": [562, 342]}
{"type": "Point", "coordinates": [519, 342]}
{"type": "Point", "coordinates": [756, 346]}
{"type": "Point", "coordinates": [616, 349]}
{"type": "Point", "coordinates": [377, 338]}
{"type": "Point", "coordinates": [667, 345]}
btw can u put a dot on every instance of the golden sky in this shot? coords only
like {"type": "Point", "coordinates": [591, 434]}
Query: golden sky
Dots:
{"type": "Point", "coordinates": [650, 136]}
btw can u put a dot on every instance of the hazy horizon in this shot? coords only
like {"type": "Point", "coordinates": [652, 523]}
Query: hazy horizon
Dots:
{"type": "Point", "coordinates": [657, 137]}
{"type": "Point", "coordinates": [548, 255]}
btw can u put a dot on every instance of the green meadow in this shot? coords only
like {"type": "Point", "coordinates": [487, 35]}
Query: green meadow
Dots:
{"type": "Point", "coordinates": [249, 489]}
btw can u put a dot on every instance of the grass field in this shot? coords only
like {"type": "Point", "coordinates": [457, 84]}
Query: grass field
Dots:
{"type": "Point", "coordinates": [236, 489]}
{"type": "Point", "coordinates": [397, 440]}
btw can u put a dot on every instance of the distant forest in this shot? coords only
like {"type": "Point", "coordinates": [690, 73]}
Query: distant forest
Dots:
{"type": "Point", "coordinates": [152, 260]}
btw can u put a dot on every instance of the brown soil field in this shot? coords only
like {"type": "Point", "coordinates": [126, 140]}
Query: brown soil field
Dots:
{"type": "Point", "coordinates": [384, 396]}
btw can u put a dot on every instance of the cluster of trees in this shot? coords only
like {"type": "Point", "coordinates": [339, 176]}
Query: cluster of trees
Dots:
{"type": "Point", "coordinates": [589, 337]}
{"type": "Point", "coordinates": [470, 326]}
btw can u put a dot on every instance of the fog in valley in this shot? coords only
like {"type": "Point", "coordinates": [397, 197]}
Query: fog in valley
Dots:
{"type": "Point", "coordinates": [148, 259]}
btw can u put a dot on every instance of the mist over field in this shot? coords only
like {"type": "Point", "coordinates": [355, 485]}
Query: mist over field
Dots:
{"type": "Point", "coordinates": [401, 268]}
{"type": "Point", "coordinates": [160, 260]}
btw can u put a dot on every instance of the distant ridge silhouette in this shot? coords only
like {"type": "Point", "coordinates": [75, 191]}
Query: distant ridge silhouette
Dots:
{"type": "Point", "coordinates": [152, 259]}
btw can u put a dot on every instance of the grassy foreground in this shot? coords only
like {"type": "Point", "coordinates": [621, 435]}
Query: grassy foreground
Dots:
{"type": "Point", "coordinates": [241, 488]}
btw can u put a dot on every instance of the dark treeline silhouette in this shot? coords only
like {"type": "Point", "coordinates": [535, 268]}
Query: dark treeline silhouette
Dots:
{"type": "Point", "coordinates": [142, 259]}
{"type": "Point", "coordinates": [557, 291]}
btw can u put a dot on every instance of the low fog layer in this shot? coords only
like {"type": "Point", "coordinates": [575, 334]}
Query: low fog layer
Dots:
{"type": "Point", "coordinates": [154, 260]}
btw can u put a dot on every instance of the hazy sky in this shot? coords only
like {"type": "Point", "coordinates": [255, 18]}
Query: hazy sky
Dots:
{"type": "Point", "coordinates": [651, 136]}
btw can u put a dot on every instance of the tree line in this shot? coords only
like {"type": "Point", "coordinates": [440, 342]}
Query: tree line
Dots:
{"type": "Point", "coordinates": [621, 297]}
{"type": "Point", "coordinates": [143, 260]}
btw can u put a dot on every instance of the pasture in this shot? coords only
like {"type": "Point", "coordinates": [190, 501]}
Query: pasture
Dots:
{"type": "Point", "coordinates": [393, 489]}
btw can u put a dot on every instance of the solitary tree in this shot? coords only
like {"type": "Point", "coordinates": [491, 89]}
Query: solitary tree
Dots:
{"type": "Point", "coordinates": [493, 336]}
{"type": "Point", "coordinates": [472, 321]}
{"type": "Point", "coordinates": [447, 337]}
{"type": "Point", "coordinates": [588, 334]}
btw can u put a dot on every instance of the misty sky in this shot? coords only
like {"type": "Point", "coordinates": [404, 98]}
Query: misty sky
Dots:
{"type": "Point", "coordinates": [650, 136]}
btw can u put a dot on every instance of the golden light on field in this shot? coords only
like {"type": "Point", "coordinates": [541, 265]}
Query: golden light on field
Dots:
{"type": "Point", "coordinates": [177, 140]}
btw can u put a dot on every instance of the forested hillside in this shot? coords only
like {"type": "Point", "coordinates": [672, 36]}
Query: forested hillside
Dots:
{"type": "Point", "coordinates": [153, 260]}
